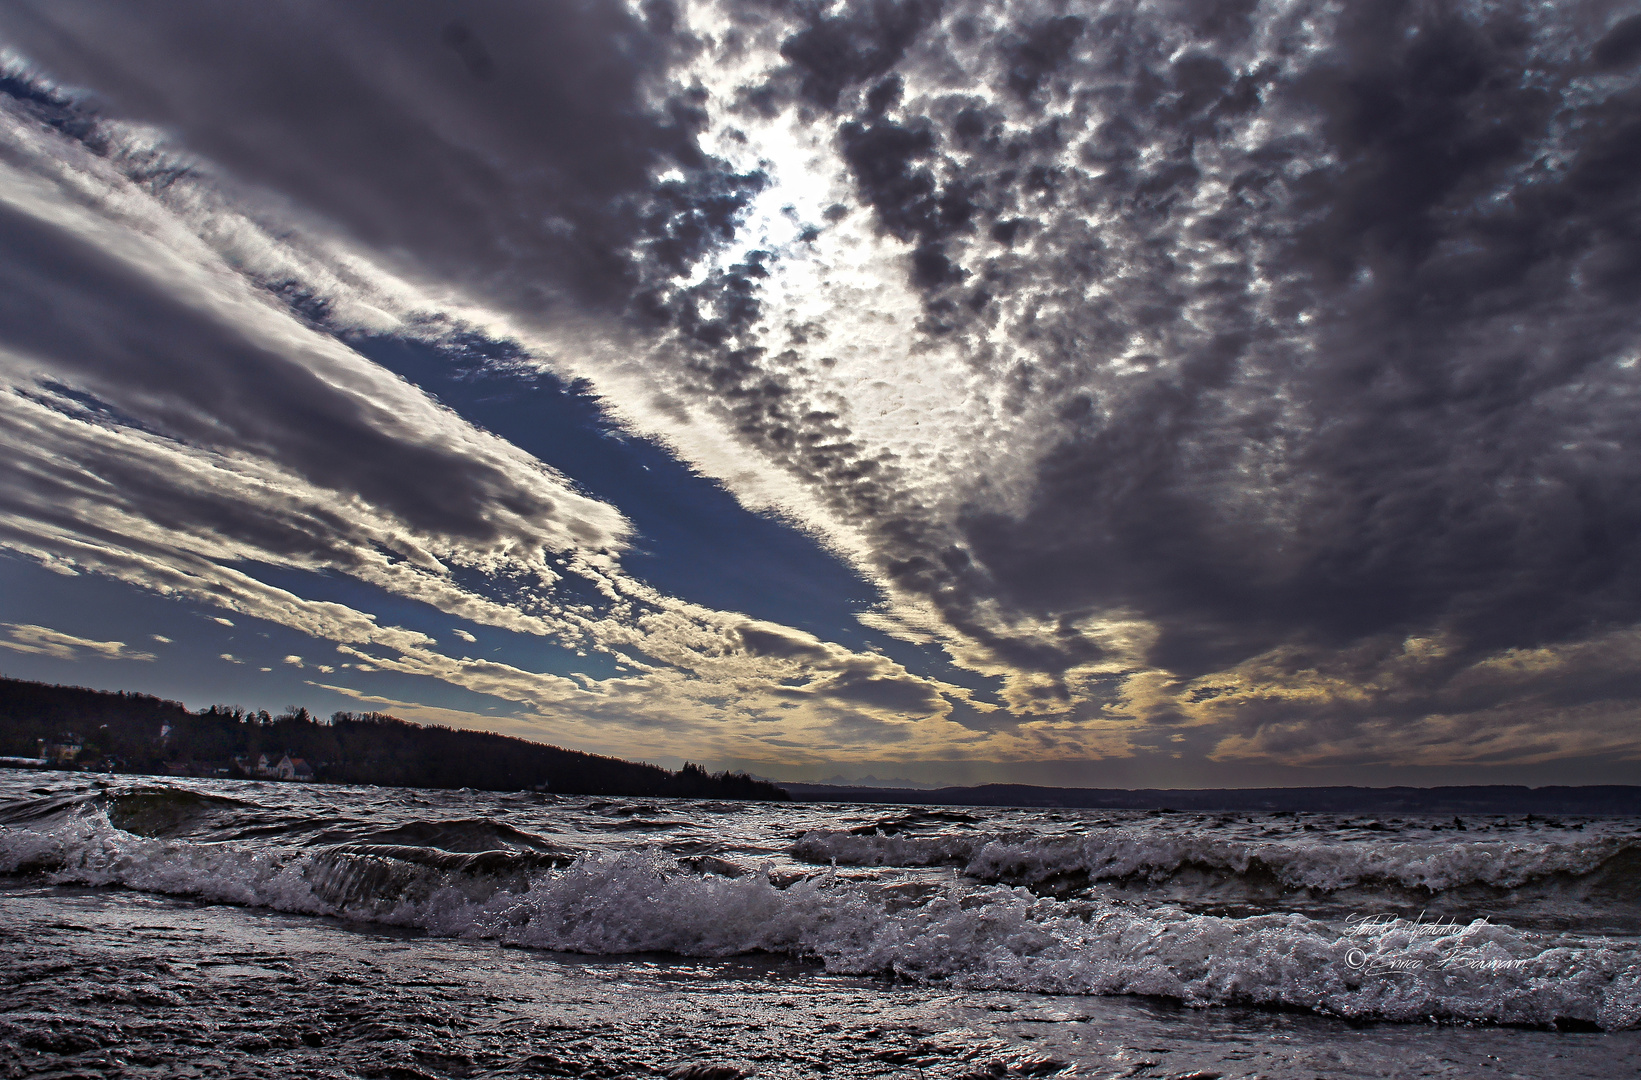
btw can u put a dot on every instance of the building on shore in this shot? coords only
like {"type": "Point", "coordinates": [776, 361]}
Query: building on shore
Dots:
{"type": "Point", "coordinates": [63, 750]}
{"type": "Point", "coordinates": [266, 767]}
{"type": "Point", "coordinates": [290, 768]}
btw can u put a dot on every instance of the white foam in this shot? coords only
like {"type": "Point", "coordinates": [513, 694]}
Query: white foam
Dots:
{"type": "Point", "coordinates": [974, 936]}
{"type": "Point", "coordinates": [1120, 853]}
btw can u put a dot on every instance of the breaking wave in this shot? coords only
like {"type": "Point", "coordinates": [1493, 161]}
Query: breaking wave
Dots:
{"type": "Point", "coordinates": [1135, 856]}
{"type": "Point", "coordinates": [988, 935]}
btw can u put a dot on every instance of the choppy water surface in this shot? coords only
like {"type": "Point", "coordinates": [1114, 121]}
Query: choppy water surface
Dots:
{"type": "Point", "coordinates": [233, 928]}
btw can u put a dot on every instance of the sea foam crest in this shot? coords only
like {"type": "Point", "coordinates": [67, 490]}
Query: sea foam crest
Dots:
{"type": "Point", "coordinates": [992, 936]}
{"type": "Point", "coordinates": [1117, 854]}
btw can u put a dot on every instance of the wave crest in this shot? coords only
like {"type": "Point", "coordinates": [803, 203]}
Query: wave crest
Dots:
{"type": "Point", "coordinates": [1121, 855]}
{"type": "Point", "coordinates": [988, 936]}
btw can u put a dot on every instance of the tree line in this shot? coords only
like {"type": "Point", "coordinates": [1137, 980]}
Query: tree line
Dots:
{"type": "Point", "coordinates": [130, 732]}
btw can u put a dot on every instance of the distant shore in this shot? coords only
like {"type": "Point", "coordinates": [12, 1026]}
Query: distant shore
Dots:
{"type": "Point", "coordinates": [100, 731]}
{"type": "Point", "coordinates": [112, 732]}
{"type": "Point", "coordinates": [1601, 800]}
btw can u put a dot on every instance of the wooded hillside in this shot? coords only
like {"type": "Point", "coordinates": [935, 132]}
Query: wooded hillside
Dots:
{"type": "Point", "coordinates": [139, 733]}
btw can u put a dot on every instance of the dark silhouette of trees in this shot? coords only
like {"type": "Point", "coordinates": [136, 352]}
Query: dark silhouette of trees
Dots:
{"type": "Point", "coordinates": [140, 733]}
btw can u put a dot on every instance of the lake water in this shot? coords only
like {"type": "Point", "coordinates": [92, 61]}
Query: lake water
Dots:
{"type": "Point", "coordinates": [155, 927]}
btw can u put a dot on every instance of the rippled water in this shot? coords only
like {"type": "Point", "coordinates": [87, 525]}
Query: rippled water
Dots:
{"type": "Point", "coordinates": [237, 928]}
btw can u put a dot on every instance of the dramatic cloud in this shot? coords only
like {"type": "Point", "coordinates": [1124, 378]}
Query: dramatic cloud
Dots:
{"type": "Point", "coordinates": [173, 426]}
{"type": "Point", "coordinates": [41, 640]}
{"type": "Point", "coordinates": [1251, 381]}
{"type": "Point", "coordinates": [513, 147]}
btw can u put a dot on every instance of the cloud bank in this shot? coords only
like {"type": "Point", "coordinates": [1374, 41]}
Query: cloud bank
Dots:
{"type": "Point", "coordinates": [1247, 380]}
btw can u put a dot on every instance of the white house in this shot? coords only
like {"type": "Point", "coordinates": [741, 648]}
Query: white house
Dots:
{"type": "Point", "coordinates": [290, 768]}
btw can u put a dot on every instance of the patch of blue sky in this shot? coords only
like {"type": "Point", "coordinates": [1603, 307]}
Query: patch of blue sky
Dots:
{"type": "Point", "coordinates": [188, 665]}
{"type": "Point", "coordinates": [694, 541]}
{"type": "Point", "coordinates": [525, 651]}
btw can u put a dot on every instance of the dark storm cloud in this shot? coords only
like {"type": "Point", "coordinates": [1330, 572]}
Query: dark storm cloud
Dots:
{"type": "Point", "coordinates": [909, 202]}
{"type": "Point", "coordinates": [1039, 51]}
{"type": "Point", "coordinates": [510, 147]}
{"type": "Point", "coordinates": [772, 641]}
{"type": "Point", "coordinates": [863, 685]}
{"type": "Point", "coordinates": [108, 328]}
{"type": "Point", "coordinates": [531, 153]}
{"type": "Point", "coordinates": [141, 354]}
{"type": "Point", "coordinates": [1386, 294]}
{"type": "Point", "coordinates": [1323, 318]}
{"type": "Point", "coordinates": [834, 52]}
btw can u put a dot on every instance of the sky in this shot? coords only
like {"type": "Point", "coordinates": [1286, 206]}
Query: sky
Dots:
{"type": "Point", "coordinates": [1133, 394]}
